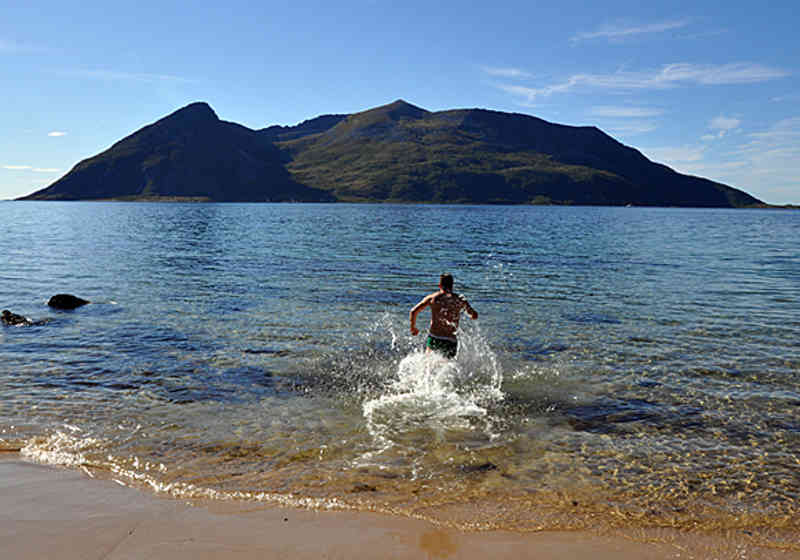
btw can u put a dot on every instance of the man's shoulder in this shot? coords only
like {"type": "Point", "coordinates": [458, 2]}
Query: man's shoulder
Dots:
{"type": "Point", "coordinates": [447, 297]}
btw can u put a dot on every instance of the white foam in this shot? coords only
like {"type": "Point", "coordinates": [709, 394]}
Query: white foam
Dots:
{"type": "Point", "coordinates": [66, 450]}
{"type": "Point", "coordinates": [434, 393]}
{"type": "Point", "coordinates": [60, 449]}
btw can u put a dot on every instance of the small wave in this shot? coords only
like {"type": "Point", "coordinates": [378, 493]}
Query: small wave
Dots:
{"type": "Point", "coordinates": [78, 452]}
{"type": "Point", "coordinates": [61, 449]}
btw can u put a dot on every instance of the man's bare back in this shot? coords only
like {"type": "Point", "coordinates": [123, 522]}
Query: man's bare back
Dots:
{"type": "Point", "coordinates": [446, 308]}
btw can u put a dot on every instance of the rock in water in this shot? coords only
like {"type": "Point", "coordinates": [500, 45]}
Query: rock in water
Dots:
{"type": "Point", "coordinates": [14, 319]}
{"type": "Point", "coordinates": [66, 301]}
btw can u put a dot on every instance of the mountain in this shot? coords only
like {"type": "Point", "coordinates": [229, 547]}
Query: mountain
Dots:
{"type": "Point", "coordinates": [399, 152]}
{"type": "Point", "coordinates": [278, 133]}
{"type": "Point", "coordinates": [395, 153]}
{"type": "Point", "coordinates": [190, 154]}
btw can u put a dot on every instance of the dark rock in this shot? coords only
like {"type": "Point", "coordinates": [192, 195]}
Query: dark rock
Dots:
{"type": "Point", "coordinates": [14, 319]}
{"type": "Point", "coordinates": [66, 301]}
{"type": "Point", "coordinates": [484, 467]}
{"type": "Point", "coordinates": [363, 488]}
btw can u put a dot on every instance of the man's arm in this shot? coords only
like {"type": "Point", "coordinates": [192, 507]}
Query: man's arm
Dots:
{"type": "Point", "coordinates": [468, 308]}
{"type": "Point", "coordinates": [426, 301]}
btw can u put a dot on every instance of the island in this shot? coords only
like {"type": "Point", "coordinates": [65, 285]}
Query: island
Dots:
{"type": "Point", "coordinates": [396, 153]}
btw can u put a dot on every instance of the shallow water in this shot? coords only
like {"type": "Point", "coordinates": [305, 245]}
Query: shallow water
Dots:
{"type": "Point", "coordinates": [630, 367]}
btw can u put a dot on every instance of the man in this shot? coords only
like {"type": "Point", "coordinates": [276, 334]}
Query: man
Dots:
{"type": "Point", "coordinates": [446, 310]}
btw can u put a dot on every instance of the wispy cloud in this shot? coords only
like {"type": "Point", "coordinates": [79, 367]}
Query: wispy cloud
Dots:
{"type": "Point", "coordinates": [787, 97]}
{"type": "Point", "coordinates": [121, 76]}
{"type": "Point", "coordinates": [617, 32]}
{"type": "Point", "coordinates": [766, 165]}
{"type": "Point", "coordinates": [56, 133]}
{"type": "Point", "coordinates": [505, 72]}
{"type": "Point", "coordinates": [780, 141]}
{"type": "Point", "coordinates": [705, 34]}
{"type": "Point", "coordinates": [631, 128]}
{"type": "Point", "coordinates": [626, 120]}
{"type": "Point", "coordinates": [624, 112]}
{"type": "Point", "coordinates": [668, 76]}
{"type": "Point", "coordinates": [672, 155]}
{"type": "Point", "coordinates": [8, 46]}
{"type": "Point", "coordinates": [724, 124]}
{"type": "Point", "coordinates": [721, 126]}
{"type": "Point", "coordinates": [725, 74]}
{"type": "Point", "coordinates": [31, 168]}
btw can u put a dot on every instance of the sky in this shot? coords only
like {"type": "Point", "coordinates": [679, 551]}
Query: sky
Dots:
{"type": "Point", "coordinates": [707, 88]}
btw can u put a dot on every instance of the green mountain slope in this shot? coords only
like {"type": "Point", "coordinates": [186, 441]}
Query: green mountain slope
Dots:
{"type": "Point", "coordinates": [399, 152]}
{"type": "Point", "coordinates": [395, 153]}
{"type": "Point", "coordinates": [188, 154]}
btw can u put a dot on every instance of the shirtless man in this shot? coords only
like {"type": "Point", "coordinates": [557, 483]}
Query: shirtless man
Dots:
{"type": "Point", "coordinates": [446, 309]}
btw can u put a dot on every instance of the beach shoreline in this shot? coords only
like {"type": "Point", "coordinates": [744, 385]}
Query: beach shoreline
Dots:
{"type": "Point", "coordinates": [48, 511]}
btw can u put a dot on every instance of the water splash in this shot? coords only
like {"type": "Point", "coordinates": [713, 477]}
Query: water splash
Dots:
{"type": "Point", "coordinates": [435, 400]}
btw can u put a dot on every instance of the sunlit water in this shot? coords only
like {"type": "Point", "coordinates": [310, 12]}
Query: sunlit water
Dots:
{"type": "Point", "coordinates": [630, 367]}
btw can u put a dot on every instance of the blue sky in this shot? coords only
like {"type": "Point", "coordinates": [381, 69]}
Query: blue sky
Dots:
{"type": "Point", "coordinates": [708, 88]}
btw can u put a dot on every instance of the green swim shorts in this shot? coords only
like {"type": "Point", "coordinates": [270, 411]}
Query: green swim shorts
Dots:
{"type": "Point", "coordinates": [443, 346]}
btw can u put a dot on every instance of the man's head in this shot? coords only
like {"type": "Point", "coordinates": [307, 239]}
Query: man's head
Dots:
{"type": "Point", "coordinates": [446, 282]}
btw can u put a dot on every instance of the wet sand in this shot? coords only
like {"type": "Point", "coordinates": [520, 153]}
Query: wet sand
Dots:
{"type": "Point", "coordinates": [48, 512]}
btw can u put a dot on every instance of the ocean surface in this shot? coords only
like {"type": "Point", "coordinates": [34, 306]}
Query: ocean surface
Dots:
{"type": "Point", "coordinates": [630, 367]}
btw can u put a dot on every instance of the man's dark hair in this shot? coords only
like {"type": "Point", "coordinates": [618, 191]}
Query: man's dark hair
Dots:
{"type": "Point", "coordinates": [446, 282]}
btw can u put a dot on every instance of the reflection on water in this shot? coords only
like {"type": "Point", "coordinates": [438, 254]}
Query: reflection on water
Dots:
{"type": "Point", "coordinates": [630, 368]}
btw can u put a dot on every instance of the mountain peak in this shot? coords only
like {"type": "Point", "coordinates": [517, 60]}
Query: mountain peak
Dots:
{"type": "Point", "coordinates": [197, 111]}
{"type": "Point", "coordinates": [402, 103]}
{"type": "Point", "coordinates": [402, 108]}
{"type": "Point", "coordinates": [373, 121]}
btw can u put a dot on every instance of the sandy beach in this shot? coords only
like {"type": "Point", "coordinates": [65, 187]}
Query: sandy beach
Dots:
{"type": "Point", "coordinates": [48, 512]}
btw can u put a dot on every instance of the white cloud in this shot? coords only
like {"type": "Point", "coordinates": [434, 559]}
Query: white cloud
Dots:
{"type": "Point", "coordinates": [767, 165]}
{"type": "Point", "coordinates": [674, 155]}
{"type": "Point", "coordinates": [117, 76]}
{"type": "Point", "coordinates": [56, 133]}
{"type": "Point", "coordinates": [15, 47]}
{"type": "Point", "coordinates": [788, 97]}
{"type": "Point", "coordinates": [726, 74]}
{"type": "Point", "coordinates": [721, 126]}
{"type": "Point", "coordinates": [705, 34]}
{"type": "Point", "coordinates": [777, 148]}
{"type": "Point", "coordinates": [724, 123]}
{"type": "Point", "coordinates": [786, 129]}
{"type": "Point", "coordinates": [669, 76]}
{"type": "Point", "coordinates": [626, 120]}
{"type": "Point", "coordinates": [631, 128]}
{"type": "Point", "coordinates": [624, 112]}
{"type": "Point", "coordinates": [31, 168]}
{"type": "Point", "coordinates": [505, 72]}
{"type": "Point", "coordinates": [613, 32]}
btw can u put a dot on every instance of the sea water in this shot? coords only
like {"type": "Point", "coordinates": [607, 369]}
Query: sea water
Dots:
{"type": "Point", "coordinates": [630, 367]}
